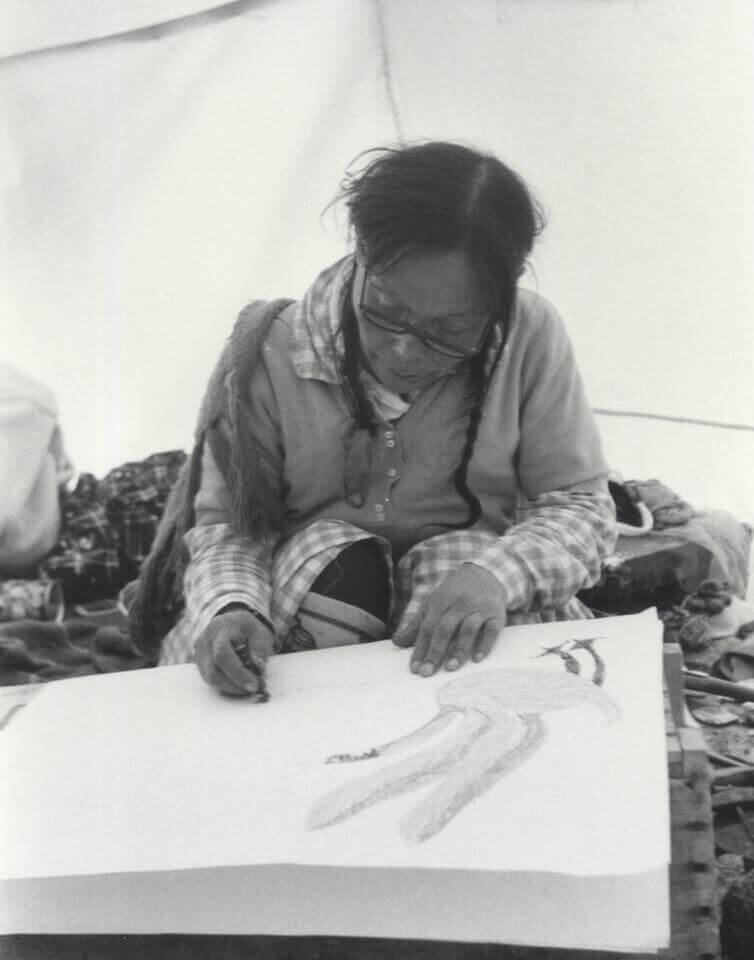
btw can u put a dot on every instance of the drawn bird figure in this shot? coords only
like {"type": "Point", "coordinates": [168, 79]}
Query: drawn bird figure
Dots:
{"type": "Point", "coordinates": [488, 724]}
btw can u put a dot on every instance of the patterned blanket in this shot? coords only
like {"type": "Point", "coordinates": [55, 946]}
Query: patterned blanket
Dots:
{"type": "Point", "coordinates": [32, 651]}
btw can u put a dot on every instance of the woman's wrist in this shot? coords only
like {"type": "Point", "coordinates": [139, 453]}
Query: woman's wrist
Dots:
{"type": "Point", "coordinates": [237, 607]}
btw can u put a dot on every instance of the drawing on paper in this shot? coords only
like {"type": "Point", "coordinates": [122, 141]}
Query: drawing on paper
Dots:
{"type": "Point", "coordinates": [487, 725]}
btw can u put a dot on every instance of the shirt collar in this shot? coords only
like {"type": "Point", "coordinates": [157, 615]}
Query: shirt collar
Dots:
{"type": "Point", "coordinates": [318, 347]}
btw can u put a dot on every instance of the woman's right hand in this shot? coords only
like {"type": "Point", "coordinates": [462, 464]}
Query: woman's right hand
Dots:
{"type": "Point", "coordinates": [232, 637]}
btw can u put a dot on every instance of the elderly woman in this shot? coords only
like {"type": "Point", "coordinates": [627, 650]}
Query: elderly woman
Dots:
{"type": "Point", "coordinates": [405, 452]}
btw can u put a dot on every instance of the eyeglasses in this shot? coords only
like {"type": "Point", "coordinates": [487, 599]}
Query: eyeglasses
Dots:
{"type": "Point", "coordinates": [453, 351]}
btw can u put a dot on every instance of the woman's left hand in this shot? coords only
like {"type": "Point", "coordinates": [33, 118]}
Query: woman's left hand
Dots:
{"type": "Point", "coordinates": [460, 620]}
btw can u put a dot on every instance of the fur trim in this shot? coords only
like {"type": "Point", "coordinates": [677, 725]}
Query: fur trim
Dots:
{"type": "Point", "coordinates": [158, 599]}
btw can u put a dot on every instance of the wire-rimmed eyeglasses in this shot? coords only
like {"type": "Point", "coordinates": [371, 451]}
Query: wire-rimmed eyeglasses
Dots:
{"type": "Point", "coordinates": [454, 351]}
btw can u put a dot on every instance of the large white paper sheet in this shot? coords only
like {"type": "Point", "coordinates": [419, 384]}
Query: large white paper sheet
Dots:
{"type": "Point", "coordinates": [539, 768]}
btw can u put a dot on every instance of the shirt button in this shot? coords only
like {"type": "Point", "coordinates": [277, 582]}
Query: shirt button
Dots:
{"type": "Point", "coordinates": [378, 507]}
{"type": "Point", "coordinates": [389, 434]}
{"type": "Point", "coordinates": [390, 443]}
{"type": "Point", "coordinates": [380, 518]}
{"type": "Point", "coordinates": [392, 472]}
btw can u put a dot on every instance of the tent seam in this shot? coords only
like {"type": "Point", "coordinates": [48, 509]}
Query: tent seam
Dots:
{"type": "Point", "coordinates": [386, 69]}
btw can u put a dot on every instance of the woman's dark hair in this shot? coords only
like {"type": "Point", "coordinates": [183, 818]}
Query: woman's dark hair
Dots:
{"type": "Point", "coordinates": [432, 198]}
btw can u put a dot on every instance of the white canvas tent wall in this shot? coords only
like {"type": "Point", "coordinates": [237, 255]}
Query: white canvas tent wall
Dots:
{"type": "Point", "coordinates": [163, 162]}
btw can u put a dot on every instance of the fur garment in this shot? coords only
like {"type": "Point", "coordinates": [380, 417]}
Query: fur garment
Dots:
{"type": "Point", "coordinates": [158, 597]}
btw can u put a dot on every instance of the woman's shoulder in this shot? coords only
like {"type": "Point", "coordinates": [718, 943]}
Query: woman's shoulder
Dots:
{"type": "Point", "coordinates": [538, 333]}
{"type": "Point", "coordinates": [263, 320]}
{"type": "Point", "coordinates": [534, 312]}
{"type": "Point", "coordinates": [260, 333]}
{"type": "Point", "coordinates": [279, 325]}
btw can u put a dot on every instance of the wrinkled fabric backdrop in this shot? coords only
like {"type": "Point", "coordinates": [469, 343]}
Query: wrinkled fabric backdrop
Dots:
{"type": "Point", "coordinates": [163, 162]}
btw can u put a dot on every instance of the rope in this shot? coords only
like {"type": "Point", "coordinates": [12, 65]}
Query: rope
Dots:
{"type": "Point", "coordinates": [601, 411]}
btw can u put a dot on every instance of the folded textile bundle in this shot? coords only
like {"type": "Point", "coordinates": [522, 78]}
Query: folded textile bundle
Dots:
{"type": "Point", "coordinates": [34, 651]}
{"type": "Point", "coordinates": [108, 526]}
{"type": "Point", "coordinates": [644, 505]}
{"type": "Point", "coordinates": [33, 469]}
{"type": "Point", "coordinates": [666, 507]}
{"type": "Point", "coordinates": [30, 600]}
{"type": "Point", "coordinates": [666, 550]}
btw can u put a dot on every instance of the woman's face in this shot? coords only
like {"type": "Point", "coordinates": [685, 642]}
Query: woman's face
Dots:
{"type": "Point", "coordinates": [435, 295]}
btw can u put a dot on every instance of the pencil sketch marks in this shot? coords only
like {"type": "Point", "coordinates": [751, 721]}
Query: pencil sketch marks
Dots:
{"type": "Point", "coordinates": [487, 725]}
{"type": "Point", "coordinates": [572, 665]}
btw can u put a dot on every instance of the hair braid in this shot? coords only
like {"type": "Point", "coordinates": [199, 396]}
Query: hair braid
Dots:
{"type": "Point", "coordinates": [350, 366]}
{"type": "Point", "coordinates": [460, 477]}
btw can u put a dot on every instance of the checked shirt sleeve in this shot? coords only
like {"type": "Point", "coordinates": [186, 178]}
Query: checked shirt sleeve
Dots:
{"type": "Point", "coordinates": [554, 549]}
{"type": "Point", "coordinates": [225, 568]}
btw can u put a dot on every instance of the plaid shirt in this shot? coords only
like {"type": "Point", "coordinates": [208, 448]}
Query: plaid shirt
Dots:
{"type": "Point", "coordinates": [108, 526]}
{"type": "Point", "coordinates": [554, 547]}
{"type": "Point", "coordinates": [85, 559]}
